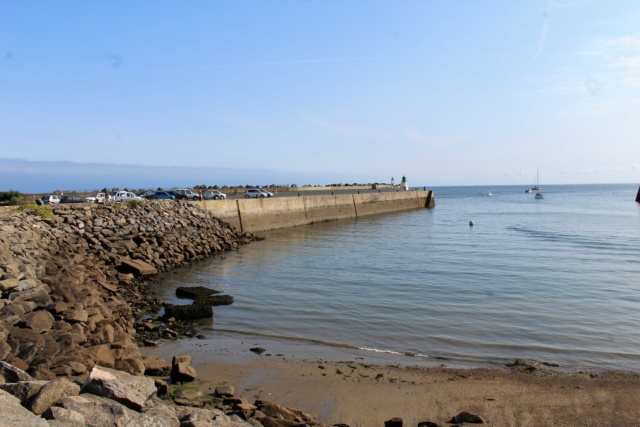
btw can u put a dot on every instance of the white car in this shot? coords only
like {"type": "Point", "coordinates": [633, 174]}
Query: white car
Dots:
{"type": "Point", "coordinates": [267, 193]}
{"type": "Point", "coordinates": [252, 192]}
{"type": "Point", "coordinates": [125, 196]}
{"type": "Point", "coordinates": [50, 199]}
{"type": "Point", "coordinates": [213, 194]}
{"type": "Point", "coordinates": [98, 198]}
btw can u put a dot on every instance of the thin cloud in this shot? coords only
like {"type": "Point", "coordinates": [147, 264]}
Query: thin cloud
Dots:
{"type": "Point", "coordinates": [628, 62]}
{"type": "Point", "coordinates": [410, 135]}
{"type": "Point", "coordinates": [333, 126]}
{"type": "Point", "coordinates": [620, 43]}
{"type": "Point", "coordinates": [436, 141]}
{"type": "Point", "coordinates": [596, 170]}
{"type": "Point", "coordinates": [613, 63]}
{"type": "Point", "coordinates": [251, 64]}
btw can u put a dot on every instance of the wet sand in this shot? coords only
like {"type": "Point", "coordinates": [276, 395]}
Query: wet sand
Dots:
{"type": "Point", "coordinates": [338, 385]}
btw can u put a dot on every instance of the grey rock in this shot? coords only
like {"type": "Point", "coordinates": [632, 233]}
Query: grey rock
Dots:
{"type": "Point", "coordinates": [394, 422]}
{"type": "Point", "coordinates": [156, 367]}
{"type": "Point", "coordinates": [98, 411]}
{"type": "Point", "coordinates": [23, 390]}
{"type": "Point", "coordinates": [66, 416]}
{"type": "Point", "coordinates": [466, 417]}
{"type": "Point", "coordinates": [11, 374]}
{"type": "Point", "coordinates": [225, 390]}
{"type": "Point", "coordinates": [15, 415]}
{"type": "Point", "coordinates": [131, 391]}
{"type": "Point", "coordinates": [280, 412]}
{"type": "Point", "coordinates": [181, 370]}
{"type": "Point", "coordinates": [157, 416]}
{"type": "Point", "coordinates": [50, 394]}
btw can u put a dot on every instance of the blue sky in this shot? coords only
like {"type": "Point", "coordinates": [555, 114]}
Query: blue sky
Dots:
{"type": "Point", "coordinates": [446, 92]}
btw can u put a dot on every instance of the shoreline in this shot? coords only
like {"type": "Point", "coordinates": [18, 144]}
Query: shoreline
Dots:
{"type": "Point", "coordinates": [344, 385]}
{"type": "Point", "coordinates": [335, 384]}
{"type": "Point", "coordinates": [303, 348]}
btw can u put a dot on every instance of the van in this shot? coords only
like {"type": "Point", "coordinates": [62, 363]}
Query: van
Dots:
{"type": "Point", "coordinates": [125, 196]}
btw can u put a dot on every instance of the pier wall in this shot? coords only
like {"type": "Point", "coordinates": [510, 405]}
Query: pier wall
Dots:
{"type": "Point", "coordinates": [251, 215]}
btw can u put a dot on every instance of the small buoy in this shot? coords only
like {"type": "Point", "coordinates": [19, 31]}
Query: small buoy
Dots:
{"type": "Point", "coordinates": [470, 223]}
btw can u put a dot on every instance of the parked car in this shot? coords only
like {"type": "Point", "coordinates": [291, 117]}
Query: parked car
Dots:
{"type": "Point", "coordinates": [188, 193]}
{"type": "Point", "coordinates": [71, 199]}
{"type": "Point", "coordinates": [125, 196]}
{"type": "Point", "coordinates": [252, 192]}
{"type": "Point", "coordinates": [98, 198]}
{"type": "Point", "coordinates": [163, 195]}
{"type": "Point", "coordinates": [50, 199]}
{"type": "Point", "coordinates": [213, 194]}
{"type": "Point", "coordinates": [176, 195]}
{"type": "Point", "coordinates": [148, 194]}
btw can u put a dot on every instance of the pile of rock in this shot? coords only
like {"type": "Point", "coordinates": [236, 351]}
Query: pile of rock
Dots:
{"type": "Point", "coordinates": [110, 397]}
{"type": "Point", "coordinates": [68, 282]}
{"type": "Point", "coordinates": [70, 290]}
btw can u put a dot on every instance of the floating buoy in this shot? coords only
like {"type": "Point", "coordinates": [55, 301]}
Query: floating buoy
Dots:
{"type": "Point", "coordinates": [470, 223]}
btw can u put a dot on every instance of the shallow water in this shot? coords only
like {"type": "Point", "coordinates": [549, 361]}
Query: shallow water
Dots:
{"type": "Point", "coordinates": [553, 279]}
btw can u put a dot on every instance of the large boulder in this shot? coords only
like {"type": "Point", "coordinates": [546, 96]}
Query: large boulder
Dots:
{"type": "Point", "coordinates": [99, 411]}
{"type": "Point", "coordinates": [181, 370]}
{"type": "Point", "coordinates": [39, 321]}
{"type": "Point", "coordinates": [158, 416]}
{"type": "Point", "coordinates": [13, 414]}
{"type": "Point", "coordinates": [272, 410]}
{"type": "Point", "coordinates": [11, 374]}
{"type": "Point", "coordinates": [129, 390]}
{"type": "Point", "coordinates": [23, 390]}
{"type": "Point", "coordinates": [64, 417]}
{"type": "Point", "coordinates": [156, 367]}
{"type": "Point", "coordinates": [51, 393]}
{"type": "Point", "coordinates": [188, 312]}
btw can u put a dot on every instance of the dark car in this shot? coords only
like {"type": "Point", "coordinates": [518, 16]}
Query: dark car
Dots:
{"type": "Point", "coordinates": [176, 195]}
{"type": "Point", "coordinates": [148, 194]}
{"type": "Point", "coordinates": [163, 195]}
{"type": "Point", "coordinates": [71, 199]}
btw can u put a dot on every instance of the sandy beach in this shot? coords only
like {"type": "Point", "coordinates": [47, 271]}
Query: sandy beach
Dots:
{"type": "Point", "coordinates": [345, 386]}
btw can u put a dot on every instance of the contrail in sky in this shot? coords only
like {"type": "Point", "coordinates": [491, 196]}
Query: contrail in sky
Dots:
{"type": "Point", "coordinates": [541, 42]}
{"type": "Point", "coordinates": [254, 64]}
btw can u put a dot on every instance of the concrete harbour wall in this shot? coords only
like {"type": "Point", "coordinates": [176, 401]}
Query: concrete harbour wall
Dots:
{"type": "Point", "coordinates": [252, 215]}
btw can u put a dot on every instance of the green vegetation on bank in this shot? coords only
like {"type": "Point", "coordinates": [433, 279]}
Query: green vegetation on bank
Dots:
{"type": "Point", "coordinates": [11, 198]}
{"type": "Point", "coordinates": [43, 211]}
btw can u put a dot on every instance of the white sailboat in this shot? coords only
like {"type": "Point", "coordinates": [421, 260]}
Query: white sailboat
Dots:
{"type": "Point", "coordinates": [537, 188]}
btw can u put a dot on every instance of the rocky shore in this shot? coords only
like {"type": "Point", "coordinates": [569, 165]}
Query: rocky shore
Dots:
{"type": "Point", "coordinates": [73, 282]}
{"type": "Point", "coordinates": [76, 304]}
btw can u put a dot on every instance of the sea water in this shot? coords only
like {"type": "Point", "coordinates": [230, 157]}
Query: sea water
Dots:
{"type": "Point", "coordinates": [556, 280]}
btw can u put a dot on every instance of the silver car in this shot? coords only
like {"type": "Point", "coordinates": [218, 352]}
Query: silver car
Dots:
{"type": "Point", "coordinates": [125, 196]}
{"type": "Point", "coordinates": [252, 192]}
{"type": "Point", "coordinates": [213, 194]}
{"type": "Point", "coordinates": [188, 193]}
{"type": "Point", "coordinates": [50, 199]}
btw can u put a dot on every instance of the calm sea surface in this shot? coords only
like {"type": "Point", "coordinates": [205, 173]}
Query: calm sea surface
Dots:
{"type": "Point", "coordinates": [555, 280]}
